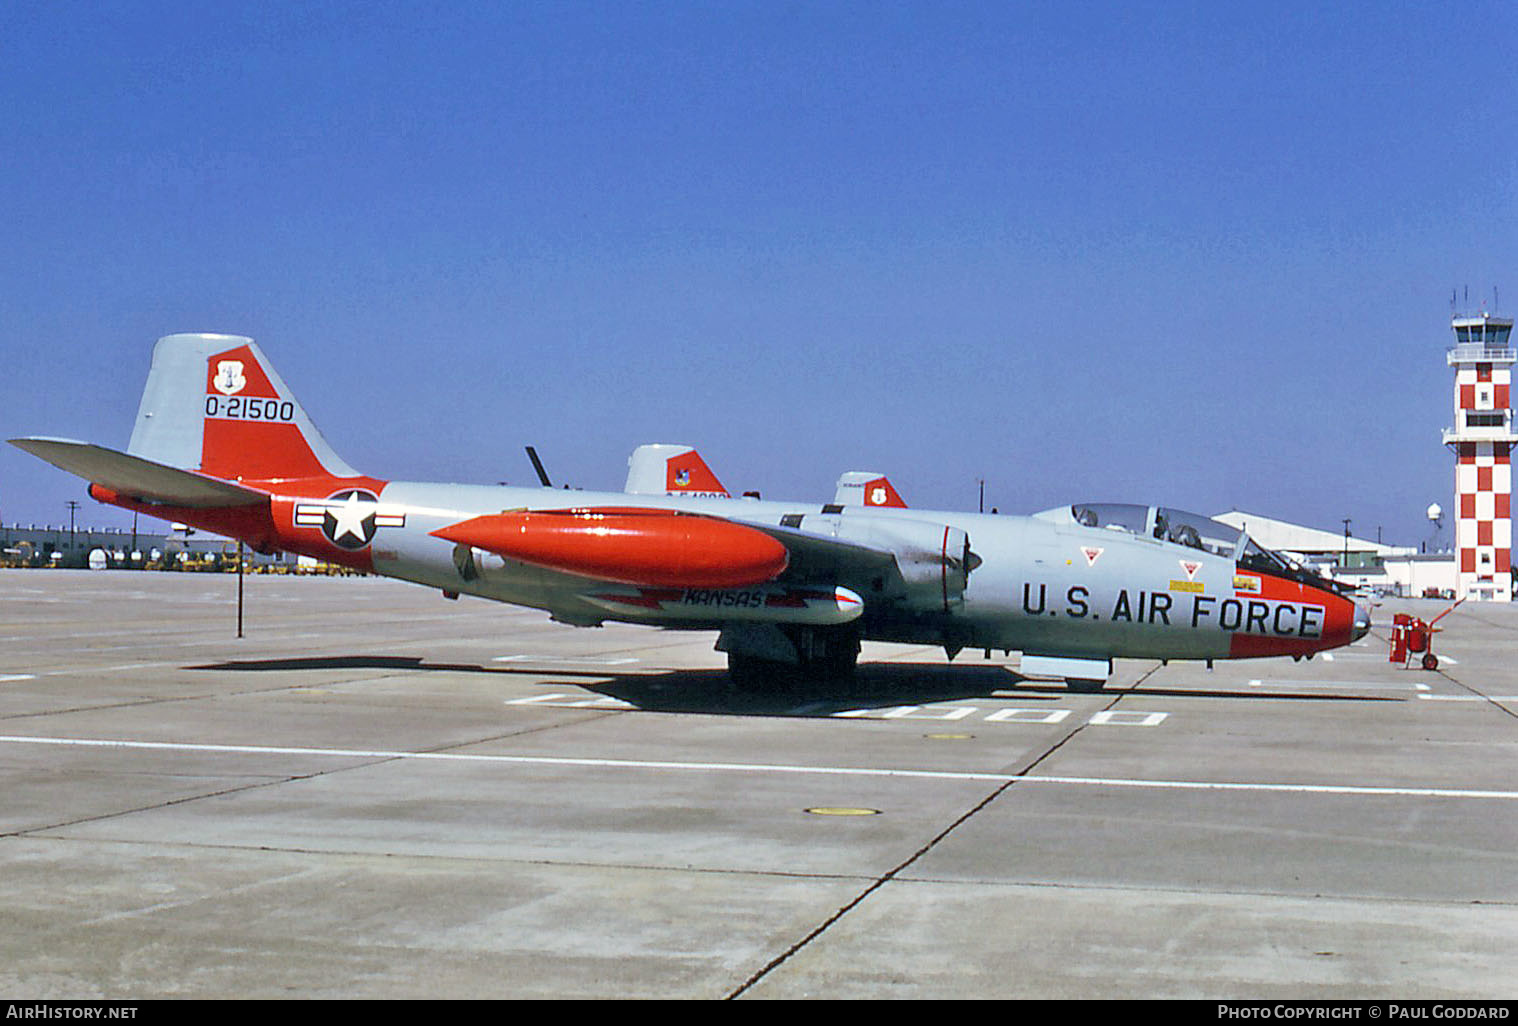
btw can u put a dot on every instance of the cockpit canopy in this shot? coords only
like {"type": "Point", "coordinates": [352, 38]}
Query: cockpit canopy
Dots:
{"type": "Point", "coordinates": [1178, 527]}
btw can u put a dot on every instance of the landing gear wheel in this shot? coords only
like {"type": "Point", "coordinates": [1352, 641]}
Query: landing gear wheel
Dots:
{"type": "Point", "coordinates": [826, 656]}
{"type": "Point", "coordinates": [825, 662]}
{"type": "Point", "coordinates": [834, 668]}
{"type": "Point", "coordinates": [751, 675]}
{"type": "Point", "coordinates": [1430, 661]}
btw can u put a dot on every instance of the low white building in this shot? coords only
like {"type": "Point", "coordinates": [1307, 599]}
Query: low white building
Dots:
{"type": "Point", "coordinates": [1434, 575]}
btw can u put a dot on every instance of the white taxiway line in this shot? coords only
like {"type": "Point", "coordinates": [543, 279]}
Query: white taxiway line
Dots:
{"type": "Point", "coordinates": [567, 660]}
{"type": "Point", "coordinates": [1469, 698]}
{"type": "Point", "coordinates": [1339, 685]}
{"type": "Point", "coordinates": [708, 767]}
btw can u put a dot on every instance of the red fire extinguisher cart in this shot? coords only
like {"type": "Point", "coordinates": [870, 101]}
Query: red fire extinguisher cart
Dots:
{"type": "Point", "coordinates": [1411, 637]}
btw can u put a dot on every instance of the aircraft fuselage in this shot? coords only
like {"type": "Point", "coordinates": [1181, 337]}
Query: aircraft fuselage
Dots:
{"type": "Point", "coordinates": [221, 443]}
{"type": "Point", "coordinates": [1037, 585]}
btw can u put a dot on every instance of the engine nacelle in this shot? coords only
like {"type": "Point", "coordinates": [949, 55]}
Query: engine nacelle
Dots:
{"type": "Point", "coordinates": [934, 560]}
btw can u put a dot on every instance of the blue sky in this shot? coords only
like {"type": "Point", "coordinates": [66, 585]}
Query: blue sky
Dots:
{"type": "Point", "coordinates": [1199, 254]}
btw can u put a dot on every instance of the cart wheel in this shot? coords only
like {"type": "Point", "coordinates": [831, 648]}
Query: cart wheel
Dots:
{"type": "Point", "coordinates": [1430, 661]}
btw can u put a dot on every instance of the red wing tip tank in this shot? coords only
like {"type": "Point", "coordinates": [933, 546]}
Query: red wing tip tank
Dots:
{"type": "Point", "coordinates": [629, 545]}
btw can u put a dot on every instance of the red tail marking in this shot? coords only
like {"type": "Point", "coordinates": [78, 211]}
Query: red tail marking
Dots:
{"type": "Point", "coordinates": [265, 447]}
{"type": "Point", "coordinates": [880, 492]}
{"type": "Point", "coordinates": [257, 452]}
{"type": "Point", "coordinates": [688, 472]}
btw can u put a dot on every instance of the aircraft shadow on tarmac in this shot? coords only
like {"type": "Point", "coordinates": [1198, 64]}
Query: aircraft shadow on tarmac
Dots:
{"type": "Point", "coordinates": [874, 685]}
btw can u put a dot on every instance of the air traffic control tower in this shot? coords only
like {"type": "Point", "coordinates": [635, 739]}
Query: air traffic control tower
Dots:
{"type": "Point", "coordinates": [1482, 440]}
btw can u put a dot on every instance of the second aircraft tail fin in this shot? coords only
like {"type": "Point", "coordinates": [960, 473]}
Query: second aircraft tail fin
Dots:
{"type": "Point", "coordinates": [670, 470]}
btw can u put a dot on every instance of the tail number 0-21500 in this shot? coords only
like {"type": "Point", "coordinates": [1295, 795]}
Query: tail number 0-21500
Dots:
{"type": "Point", "coordinates": [239, 407]}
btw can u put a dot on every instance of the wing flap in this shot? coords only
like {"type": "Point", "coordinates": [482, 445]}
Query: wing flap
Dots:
{"type": "Point", "coordinates": [139, 478]}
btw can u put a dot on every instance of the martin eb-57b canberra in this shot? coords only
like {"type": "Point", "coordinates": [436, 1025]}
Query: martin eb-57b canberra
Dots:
{"type": "Point", "coordinates": [793, 587]}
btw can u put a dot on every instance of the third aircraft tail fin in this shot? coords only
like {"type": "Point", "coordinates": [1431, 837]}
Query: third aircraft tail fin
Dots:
{"type": "Point", "coordinates": [867, 488]}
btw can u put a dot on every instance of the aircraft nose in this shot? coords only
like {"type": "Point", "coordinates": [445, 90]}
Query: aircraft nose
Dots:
{"type": "Point", "coordinates": [1362, 621]}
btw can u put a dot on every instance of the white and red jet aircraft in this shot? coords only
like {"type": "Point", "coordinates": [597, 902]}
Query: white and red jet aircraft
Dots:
{"type": "Point", "coordinates": [222, 444]}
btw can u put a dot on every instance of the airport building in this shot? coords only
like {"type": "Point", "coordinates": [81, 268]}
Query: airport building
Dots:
{"type": "Point", "coordinates": [66, 545]}
{"type": "Point", "coordinates": [1482, 440]}
{"type": "Point", "coordinates": [1389, 569]}
{"type": "Point", "coordinates": [115, 548]}
{"type": "Point", "coordinates": [1313, 546]}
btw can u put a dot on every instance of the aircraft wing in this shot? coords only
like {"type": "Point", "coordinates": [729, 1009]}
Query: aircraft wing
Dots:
{"type": "Point", "coordinates": [139, 478]}
{"type": "Point", "coordinates": [820, 557]}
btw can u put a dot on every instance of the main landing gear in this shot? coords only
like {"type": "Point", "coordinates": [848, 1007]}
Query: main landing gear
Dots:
{"type": "Point", "coordinates": [800, 657]}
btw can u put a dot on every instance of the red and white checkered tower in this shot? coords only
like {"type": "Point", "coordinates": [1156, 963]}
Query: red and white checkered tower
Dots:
{"type": "Point", "coordinates": [1482, 440]}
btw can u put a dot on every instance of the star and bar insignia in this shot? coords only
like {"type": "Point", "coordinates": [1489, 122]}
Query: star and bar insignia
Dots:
{"type": "Point", "coordinates": [348, 519]}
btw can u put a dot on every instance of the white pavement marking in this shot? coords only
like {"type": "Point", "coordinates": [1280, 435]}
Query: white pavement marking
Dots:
{"type": "Point", "coordinates": [707, 767]}
{"type": "Point", "coordinates": [574, 660]}
{"type": "Point", "coordinates": [917, 712]}
{"type": "Point", "coordinates": [576, 701]}
{"type": "Point", "coordinates": [6, 678]}
{"type": "Point", "coordinates": [1127, 718]}
{"type": "Point", "coordinates": [1028, 716]}
{"type": "Point", "coordinates": [1358, 685]}
{"type": "Point", "coordinates": [1469, 698]}
{"type": "Point", "coordinates": [1378, 657]}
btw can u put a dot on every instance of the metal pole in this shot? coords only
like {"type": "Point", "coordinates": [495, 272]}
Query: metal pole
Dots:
{"type": "Point", "coordinates": [239, 588]}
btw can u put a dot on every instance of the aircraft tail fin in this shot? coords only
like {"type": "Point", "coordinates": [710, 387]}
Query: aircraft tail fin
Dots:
{"type": "Point", "coordinates": [867, 488]}
{"type": "Point", "coordinates": [214, 404]}
{"type": "Point", "coordinates": [670, 470]}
